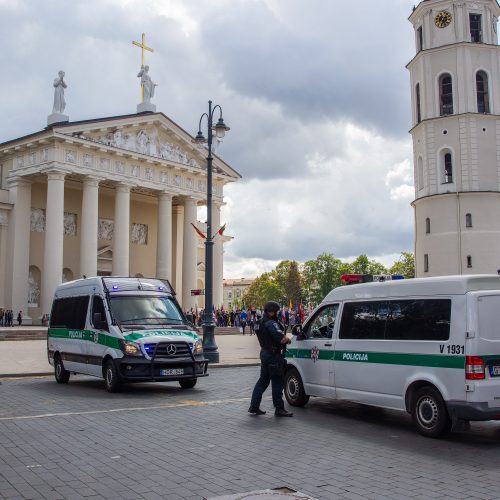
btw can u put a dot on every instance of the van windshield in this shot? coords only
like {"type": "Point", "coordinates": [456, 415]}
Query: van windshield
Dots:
{"type": "Point", "coordinates": [145, 310]}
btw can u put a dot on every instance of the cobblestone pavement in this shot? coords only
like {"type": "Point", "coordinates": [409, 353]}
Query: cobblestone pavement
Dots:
{"type": "Point", "coordinates": [158, 441]}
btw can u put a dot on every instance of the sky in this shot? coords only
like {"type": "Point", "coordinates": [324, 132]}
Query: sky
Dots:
{"type": "Point", "coordinates": [316, 94]}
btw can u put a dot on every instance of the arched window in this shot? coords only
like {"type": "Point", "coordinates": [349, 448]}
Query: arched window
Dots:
{"type": "Point", "coordinates": [426, 263]}
{"type": "Point", "coordinates": [483, 99]}
{"type": "Point", "coordinates": [468, 220]}
{"type": "Point", "coordinates": [427, 225]}
{"type": "Point", "coordinates": [420, 173]}
{"type": "Point", "coordinates": [448, 168]}
{"type": "Point", "coordinates": [417, 99]}
{"type": "Point", "coordinates": [469, 261]}
{"type": "Point", "coordinates": [445, 95]}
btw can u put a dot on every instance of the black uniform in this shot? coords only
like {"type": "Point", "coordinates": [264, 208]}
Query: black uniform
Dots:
{"type": "Point", "coordinates": [272, 365]}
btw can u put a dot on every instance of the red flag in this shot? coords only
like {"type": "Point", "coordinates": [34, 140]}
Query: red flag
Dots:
{"type": "Point", "coordinates": [301, 313]}
{"type": "Point", "coordinates": [200, 233]}
{"type": "Point", "coordinates": [221, 230]}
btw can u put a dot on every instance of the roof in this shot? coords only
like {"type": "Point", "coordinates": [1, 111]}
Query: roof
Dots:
{"type": "Point", "coordinates": [442, 285]}
{"type": "Point", "coordinates": [238, 281]}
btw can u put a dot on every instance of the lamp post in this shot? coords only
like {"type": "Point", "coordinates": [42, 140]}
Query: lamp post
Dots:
{"type": "Point", "coordinates": [209, 345]}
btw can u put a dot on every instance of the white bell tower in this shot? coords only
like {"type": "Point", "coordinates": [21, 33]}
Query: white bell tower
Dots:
{"type": "Point", "coordinates": [455, 89]}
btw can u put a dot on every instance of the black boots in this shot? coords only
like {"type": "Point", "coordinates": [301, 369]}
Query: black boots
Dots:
{"type": "Point", "coordinates": [256, 411]}
{"type": "Point", "coordinates": [281, 412]}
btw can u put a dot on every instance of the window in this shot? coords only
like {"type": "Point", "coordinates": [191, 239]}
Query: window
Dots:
{"type": "Point", "coordinates": [427, 225]}
{"type": "Point", "coordinates": [476, 33]}
{"type": "Point", "coordinates": [469, 260]}
{"type": "Point", "coordinates": [420, 39]}
{"type": "Point", "coordinates": [417, 98]}
{"type": "Point", "coordinates": [468, 220]}
{"type": "Point", "coordinates": [98, 308]}
{"type": "Point", "coordinates": [419, 319]}
{"type": "Point", "coordinates": [129, 310]}
{"type": "Point", "coordinates": [483, 100]}
{"type": "Point", "coordinates": [426, 263]}
{"type": "Point", "coordinates": [446, 95]}
{"type": "Point", "coordinates": [323, 323]}
{"type": "Point", "coordinates": [448, 168]}
{"type": "Point", "coordinates": [363, 320]}
{"type": "Point", "coordinates": [69, 313]}
{"type": "Point", "coordinates": [412, 319]}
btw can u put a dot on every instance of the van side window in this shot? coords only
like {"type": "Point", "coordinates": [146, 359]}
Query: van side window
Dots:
{"type": "Point", "coordinates": [364, 320]}
{"type": "Point", "coordinates": [421, 319]}
{"type": "Point", "coordinates": [98, 307]}
{"type": "Point", "coordinates": [323, 323]}
{"type": "Point", "coordinates": [70, 313]}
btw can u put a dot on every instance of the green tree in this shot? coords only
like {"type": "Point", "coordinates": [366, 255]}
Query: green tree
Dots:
{"type": "Point", "coordinates": [293, 287]}
{"type": "Point", "coordinates": [364, 266]}
{"type": "Point", "coordinates": [264, 288]}
{"type": "Point", "coordinates": [405, 265]}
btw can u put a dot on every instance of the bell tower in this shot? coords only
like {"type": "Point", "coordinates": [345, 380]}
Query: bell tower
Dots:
{"type": "Point", "coordinates": [455, 90]}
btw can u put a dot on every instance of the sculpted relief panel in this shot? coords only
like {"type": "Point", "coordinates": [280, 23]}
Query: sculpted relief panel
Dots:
{"type": "Point", "coordinates": [139, 234]}
{"type": "Point", "coordinates": [105, 229]}
{"type": "Point", "coordinates": [69, 224]}
{"type": "Point", "coordinates": [37, 220]}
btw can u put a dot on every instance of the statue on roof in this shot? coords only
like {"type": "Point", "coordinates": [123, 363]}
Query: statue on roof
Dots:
{"type": "Point", "coordinates": [59, 86]}
{"type": "Point", "coordinates": [147, 84]}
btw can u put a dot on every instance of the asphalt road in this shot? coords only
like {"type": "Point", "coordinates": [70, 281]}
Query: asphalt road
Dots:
{"type": "Point", "coordinates": [158, 441]}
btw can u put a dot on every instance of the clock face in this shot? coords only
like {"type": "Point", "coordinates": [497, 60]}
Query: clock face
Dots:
{"type": "Point", "coordinates": [442, 19]}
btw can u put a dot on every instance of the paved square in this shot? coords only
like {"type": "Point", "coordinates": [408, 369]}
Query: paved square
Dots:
{"type": "Point", "coordinates": [158, 441]}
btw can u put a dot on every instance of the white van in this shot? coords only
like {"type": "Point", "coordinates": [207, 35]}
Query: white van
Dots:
{"type": "Point", "coordinates": [124, 330]}
{"type": "Point", "coordinates": [428, 346]}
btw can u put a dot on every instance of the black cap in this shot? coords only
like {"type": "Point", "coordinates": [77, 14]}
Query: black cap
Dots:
{"type": "Point", "coordinates": [271, 306]}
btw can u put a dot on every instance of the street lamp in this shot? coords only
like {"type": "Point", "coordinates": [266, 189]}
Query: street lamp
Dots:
{"type": "Point", "coordinates": [209, 345]}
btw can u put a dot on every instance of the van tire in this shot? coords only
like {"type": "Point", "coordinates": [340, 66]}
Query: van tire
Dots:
{"type": "Point", "coordinates": [60, 373]}
{"type": "Point", "coordinates": [294, 388]}
{"type": "Point", "coordinates": [429, 413]}
{"type": "Point", "coordinates": [112, 378]}
{"type": "Point", "coordinates": [188, 383]}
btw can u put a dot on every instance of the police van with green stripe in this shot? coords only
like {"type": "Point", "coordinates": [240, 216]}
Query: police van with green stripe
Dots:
{"type": "Point", "coordinates": [123, 330]}
{"type": "Point", "coordinates": [429, 346]}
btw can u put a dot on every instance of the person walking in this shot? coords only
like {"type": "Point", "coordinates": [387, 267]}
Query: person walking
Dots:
{"type": "Point", "coordinates": [20, 318]}
{"type": "Point", "coordinates": [272, 364]}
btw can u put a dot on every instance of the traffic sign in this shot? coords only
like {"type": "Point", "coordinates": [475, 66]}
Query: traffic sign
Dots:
{"type": "Point", "coordinates": [198, 291]}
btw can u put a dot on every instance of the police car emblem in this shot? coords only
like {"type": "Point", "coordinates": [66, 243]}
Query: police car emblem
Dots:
{"type": "Point", "coordinates": [314, 354]}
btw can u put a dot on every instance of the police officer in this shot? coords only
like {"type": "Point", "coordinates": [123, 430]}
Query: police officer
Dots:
{"type": "Point", "coordinates": [272, 367]}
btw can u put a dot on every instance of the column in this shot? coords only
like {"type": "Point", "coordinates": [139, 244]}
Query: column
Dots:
{"type": "Point", "coordinates": [121, 232]}
{"type": "Point", "coordinates": [16, 290]}
{"type": "Point", "coordinates": [178, 238]}
{"type": "Point", "coordinates": [164, 243]}
{"type": "Point", "coordinates": [88, 232]}
{"type": "Point", "coordinates": [54, 239]}
{"type": "Point", "coordinates": [218, 273]}
{"type": "Point", "coordinates": [189, 257]}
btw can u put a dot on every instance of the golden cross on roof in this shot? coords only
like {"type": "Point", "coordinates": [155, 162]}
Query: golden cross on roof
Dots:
{"type": "Point", "coordinates": [143, 47]}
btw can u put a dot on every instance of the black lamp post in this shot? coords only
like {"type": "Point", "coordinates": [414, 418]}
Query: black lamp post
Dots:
{"type": "Point", "coordinates": [209, 345]}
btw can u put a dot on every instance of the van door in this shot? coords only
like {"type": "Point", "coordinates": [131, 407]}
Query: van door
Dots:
{"type": "Point", "coordinates": [316, 352]}
{"type": "Point", "coordinates": [97, 345]}
{"type": "Point", "coordinates": [482, 348]}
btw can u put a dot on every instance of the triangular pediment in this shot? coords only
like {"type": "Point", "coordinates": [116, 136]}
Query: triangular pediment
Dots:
{"type": "Point", "coordinates": [152, 135]}
{"type": "Point", "coordinates": [105, 253]}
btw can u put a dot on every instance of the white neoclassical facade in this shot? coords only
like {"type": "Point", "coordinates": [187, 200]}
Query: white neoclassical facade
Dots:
{"type": "Point", "coordinates": [106, 196]}
{"type": "Point", "coordinates": [455, 80]}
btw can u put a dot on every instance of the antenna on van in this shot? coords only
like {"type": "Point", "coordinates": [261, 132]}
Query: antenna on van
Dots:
{"type": "Point", "coordinates": [84, 277]}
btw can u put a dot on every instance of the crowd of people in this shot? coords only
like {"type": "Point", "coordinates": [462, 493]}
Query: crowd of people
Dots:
{"type": "Point", "coordinates": [7, 317]}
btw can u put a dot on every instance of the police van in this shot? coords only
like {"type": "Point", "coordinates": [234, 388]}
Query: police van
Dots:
{"type": "Point", "coordinates": [428, 346]}
{"type": "Point", "coordinates": [123, 330]}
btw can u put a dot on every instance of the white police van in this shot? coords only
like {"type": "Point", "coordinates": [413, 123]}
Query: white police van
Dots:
{"type": "Point", "coordinates": [428, 346]}
{"type": "Point", "coordinates": [124, 330]}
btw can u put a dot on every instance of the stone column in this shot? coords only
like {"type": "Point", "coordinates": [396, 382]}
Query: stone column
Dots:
{"type": "Point", "coordinates": [4, 238]}
{"type": "Point", "coordinates": [164, 244]}
{"type": "Point", "coordinates": [178, 238]}
{"type": "Point", "coordinates": [16, 290]}
{"type": "Point", "coordinates": [190, 251]}
{"type": "Point", "coordinates": [218, 271]}
{"type": "Point", "coordinates": [121, 232]}
{"type": "Point", "coordinates": [88, 233]}
{"type": "Point", "coordinates": [54, 239]}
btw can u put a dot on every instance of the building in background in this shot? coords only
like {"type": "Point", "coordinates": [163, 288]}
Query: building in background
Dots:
{"type": "Point", "coordinates": [456, 137]}
{"type": "Point", "coordinates": [233, 291]}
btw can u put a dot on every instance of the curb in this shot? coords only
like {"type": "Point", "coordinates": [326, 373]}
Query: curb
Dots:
{"type": "Point", "coordinates": [48, 374]}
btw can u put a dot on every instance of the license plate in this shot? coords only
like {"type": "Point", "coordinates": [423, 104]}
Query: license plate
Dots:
{"type": "Point", "coordinates": [171, 371]}
{"type": "Point", "coordinates": [495, 371]}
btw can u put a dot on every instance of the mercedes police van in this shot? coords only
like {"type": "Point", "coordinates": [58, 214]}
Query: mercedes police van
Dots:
{"type": "Point", "coordinates": [123, 330]}
{"type": "Point", "coordinates": [428, 346]}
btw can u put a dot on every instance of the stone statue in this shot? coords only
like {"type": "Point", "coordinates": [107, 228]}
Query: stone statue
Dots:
{"type": "Point", "coordinates": [147, 83]}
{"type": "Point", "coordinates": [33, 290]}
{"type": "Point", "coordinates": [59, 102]}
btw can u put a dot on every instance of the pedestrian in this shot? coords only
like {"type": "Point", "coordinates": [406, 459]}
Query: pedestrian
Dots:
{"type": "Point", "coordinates": [243, 321]}
{"type": "Point", "coordinates": [20, 318]}
{"type": "Point", "coordinates": [272, 364]}
{"type": "Point", "coordinates": [1, 317]}
{"type": "Point", "coordinates": [251, 325]}
{"type": "Point", "coordinates": [10, 317]}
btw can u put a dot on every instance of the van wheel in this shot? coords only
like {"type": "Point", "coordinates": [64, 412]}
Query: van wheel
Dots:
{"type": "Point", "coordinates": [294, 389]}
{"type": "Point", "coordinates": [429, 413]}
{"type": "Point", "coordinates": [60, 373]}
{"type": "Point", "coordinates": [111, 377]}
{"type": "Point", "coordinates": [188, 383]}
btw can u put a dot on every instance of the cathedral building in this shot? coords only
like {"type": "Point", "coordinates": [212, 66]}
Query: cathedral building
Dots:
{"type": "Point", "coordinates": [105, 196]}
{"type": "Point", "coordinates": [456, 137]}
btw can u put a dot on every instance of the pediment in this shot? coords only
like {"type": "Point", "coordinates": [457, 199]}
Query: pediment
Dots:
{"type": "Point", "coordinates": [105, 253]}
{"type": "Point", "coordinates": [152, 135]}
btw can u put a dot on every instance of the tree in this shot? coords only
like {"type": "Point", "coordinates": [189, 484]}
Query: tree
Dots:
{"type": "Point", "coordinates": [264, 288]}
{"type": "Point", "coordinates": [293, 284]}
{"type": "Point", "coordinates": [405, 265]}
{"type": "Point", "coordinates": [364, 266]}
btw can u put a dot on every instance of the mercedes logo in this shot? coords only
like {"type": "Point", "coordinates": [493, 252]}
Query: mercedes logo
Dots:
{"type": "Point", "coordinates": [171, 349]}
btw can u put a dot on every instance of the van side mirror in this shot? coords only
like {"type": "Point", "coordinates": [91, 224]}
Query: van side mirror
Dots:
{"type": "Point", "coordinates": [298, 332]}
